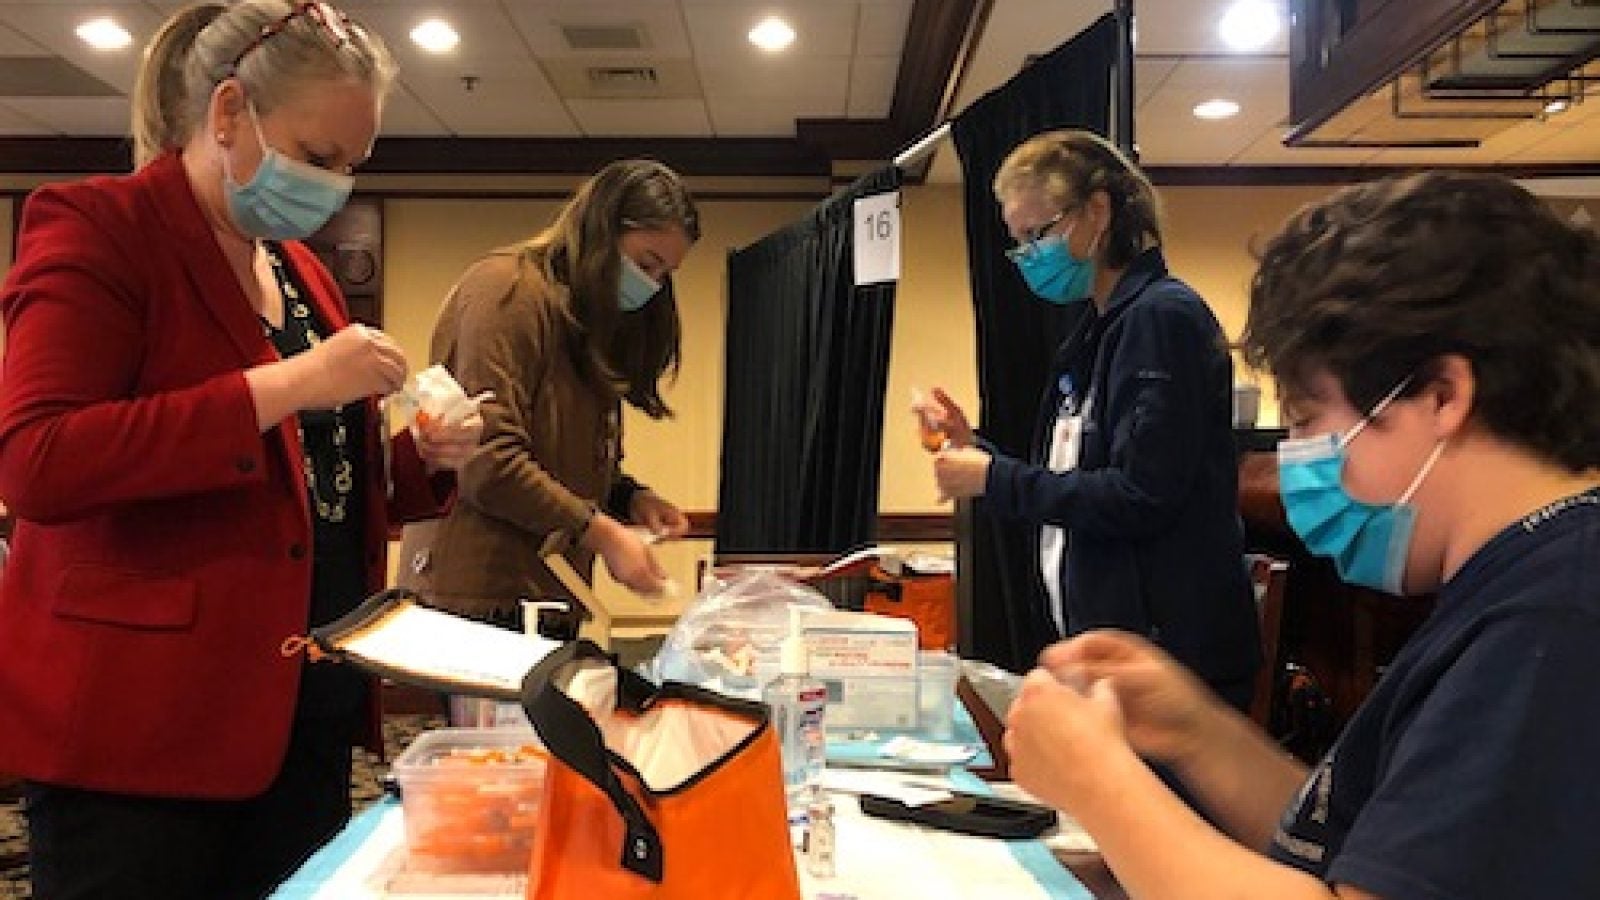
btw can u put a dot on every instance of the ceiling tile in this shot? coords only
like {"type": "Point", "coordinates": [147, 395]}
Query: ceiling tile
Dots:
{"type": "Point", "coordinates": [1431, 156]}
{"type": "Point", "coordinates": [13, 123]}
{"type": "Point", "coordinates": [1268, 150]}
{"type": "Point", "coordinates": [507, 104]}
{"type": "Point", "coordinates": [444, 85]}
{"type": "Point", "coordinates": [882, 29]}
{"type": "Point", "coordinates": [540, 25]}
{"type": "Point", "coordinates": [404, 114]}
{"type": "Point", "coordinates": [12, 43]}
{"type": "Point", "coordinates": [1149, 75]}
{"type": "Point", "coordinates": [1190, 26]}
{"type": "Point", "coordinates": [872, 81]}
{"type": "Point", "coordinates": [1262, 102]}
{"type": "Point", "coordinates": [1168, 132]}
{"type": "Point", "coordinates": [51, 26]}
{"type": "Point", "coordinates": [1499, 147]}
{"type": "Point", "coordinates": [87, 116]}
{"type": "Point", "coordinates": [575, 78]}
{"type": "Point", "coordinates": [1580, 144]}
{"type": "Point", "coordinates": [641, 118]}
{"type": "Point", "coordinates": [720, 31]}
{"type": "Point", "coordinates": [741, 118]}
{"type": "Point", "coordinates": [1249, 75]}
{"type": "Point", "coordinates": [487, 34]}
{"type": "Point", "coordinates": [809, 77]}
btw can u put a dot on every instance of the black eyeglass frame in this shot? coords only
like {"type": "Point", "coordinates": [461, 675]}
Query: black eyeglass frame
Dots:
{"type": "Point", "coordinates": [1036, 234]}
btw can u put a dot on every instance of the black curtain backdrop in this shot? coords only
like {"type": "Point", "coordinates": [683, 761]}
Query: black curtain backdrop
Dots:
{"type": "Point", "coordinates": [807, 365]}
{"type": "Point", "coordinates": [1070, 87]}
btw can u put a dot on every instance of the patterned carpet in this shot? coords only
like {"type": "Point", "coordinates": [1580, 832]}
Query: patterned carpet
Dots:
{"type": "Point", "coordinates": [367, 786]}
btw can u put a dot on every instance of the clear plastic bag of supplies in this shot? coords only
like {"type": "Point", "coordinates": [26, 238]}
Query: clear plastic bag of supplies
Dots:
{"type": "Point", "coordinates": [434, 395]}
{"type": "Point", "coordinates": [727, 640]}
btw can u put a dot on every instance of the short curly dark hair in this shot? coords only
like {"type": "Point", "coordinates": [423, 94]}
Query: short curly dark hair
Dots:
{"type": "Point", "coordinates": [1381, 279]}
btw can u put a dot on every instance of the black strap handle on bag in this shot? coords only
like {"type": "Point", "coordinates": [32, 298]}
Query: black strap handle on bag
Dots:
{"type": "Point", "coordinates": [570, 734]}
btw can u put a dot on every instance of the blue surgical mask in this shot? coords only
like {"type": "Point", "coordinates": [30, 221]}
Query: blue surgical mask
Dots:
{"type": "Point", "coordinates": [1368, 542]}
{"type": "Point", "coordinates": [635, 288]}
{"type": "Point", "coordinates": [1052, 272]}
{"type": "Point", "coordinates": [286, 199]}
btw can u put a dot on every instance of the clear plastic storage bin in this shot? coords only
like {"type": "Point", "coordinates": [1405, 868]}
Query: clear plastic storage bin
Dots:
{"type": "Point", "coordinates": [471, 799]}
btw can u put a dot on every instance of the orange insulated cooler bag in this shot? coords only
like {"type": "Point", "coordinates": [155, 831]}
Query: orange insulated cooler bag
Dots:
{"type": "Point", "coordinates": [666, 793]}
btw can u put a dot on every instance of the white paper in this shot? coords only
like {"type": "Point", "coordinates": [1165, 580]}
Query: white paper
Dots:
{"type": "Point", "coordinates": [882, 859]}
{"type": "Point", "coordinates": [913, 750]}
{"type": "Point", "coordinates": [437, 644]}
{"type": "Point", "coordinates": [908, 789]}
{"type": "Point", "coordinates": [877, 238]}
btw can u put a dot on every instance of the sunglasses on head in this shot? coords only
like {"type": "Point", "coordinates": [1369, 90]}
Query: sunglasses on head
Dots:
{"type": "Point", "coordinates": [335, 25]}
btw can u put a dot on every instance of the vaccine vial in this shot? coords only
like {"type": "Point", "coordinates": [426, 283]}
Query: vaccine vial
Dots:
{"type": "Point", "coordinates": [820, 838]}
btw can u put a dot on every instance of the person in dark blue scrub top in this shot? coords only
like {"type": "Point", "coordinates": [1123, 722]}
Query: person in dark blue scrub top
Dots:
{"type": "Point", "coordinates": [1436, 342]}
{"type": "Point", "coordinates": [1133, 481]}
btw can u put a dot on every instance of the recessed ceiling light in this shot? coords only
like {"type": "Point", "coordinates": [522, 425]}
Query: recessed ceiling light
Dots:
{"type": "Point", "coordinates": [1250, 24]}
{"type": "Point", "coordinates": [772, 34]}
{"type": "Point", "coordinates": [435, 36]}
{"type": "Point", "coordinates": [1556, 107]}
{"type": "Point", "coordinates": [1216, 109]}
{"type": "Point", "coordinates": [104, 34]}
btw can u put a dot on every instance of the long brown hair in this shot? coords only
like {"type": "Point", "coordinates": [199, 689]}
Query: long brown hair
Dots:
{"type": "Point", "coordinates": [579, 258]}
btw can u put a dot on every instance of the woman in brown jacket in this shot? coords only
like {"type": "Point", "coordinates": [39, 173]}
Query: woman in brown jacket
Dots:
{"type": "Point", "coordinates": [561, 328]}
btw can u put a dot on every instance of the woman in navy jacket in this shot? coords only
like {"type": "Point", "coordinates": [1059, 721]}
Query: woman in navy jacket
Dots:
{"type": "Point", "coordinates": [1133, 476]}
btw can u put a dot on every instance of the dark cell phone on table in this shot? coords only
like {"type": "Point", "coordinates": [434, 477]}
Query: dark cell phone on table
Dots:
{"type": "Point", "coordinates": [968, 814]}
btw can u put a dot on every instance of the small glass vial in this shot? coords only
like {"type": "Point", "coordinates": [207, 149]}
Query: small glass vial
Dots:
{"type": "Point", "coordinates": [819, 836]}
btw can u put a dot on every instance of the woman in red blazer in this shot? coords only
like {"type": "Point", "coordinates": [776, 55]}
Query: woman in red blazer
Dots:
{"type": "Point", "coordinates": [190, 444]}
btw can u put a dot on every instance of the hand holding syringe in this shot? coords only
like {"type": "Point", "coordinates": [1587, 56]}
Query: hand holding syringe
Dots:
{"type": "Point", "coordinates": [930, 421]}
{"type": "Point", "coordinates": [942, 422]}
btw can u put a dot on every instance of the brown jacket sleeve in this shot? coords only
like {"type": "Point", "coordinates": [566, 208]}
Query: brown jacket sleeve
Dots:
{"type": "Point", "coordinates": [495, 334]}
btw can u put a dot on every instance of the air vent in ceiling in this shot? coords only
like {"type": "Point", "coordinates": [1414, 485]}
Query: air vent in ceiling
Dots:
{"type": "Point", "coordinates": [575, 78]}
{"type": "Point", "coordinates": [624, 78]}
{"type": "Point", "coordinates": [605, 37]}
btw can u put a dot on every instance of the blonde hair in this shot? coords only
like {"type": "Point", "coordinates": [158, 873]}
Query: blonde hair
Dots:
{"type": "Point", "coordinates": [196, 49]}
{"type": "Point", "coordinates": [1069, 166]}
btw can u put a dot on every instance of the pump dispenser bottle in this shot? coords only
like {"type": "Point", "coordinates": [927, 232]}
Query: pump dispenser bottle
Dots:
{"type": "Point", "coordinates": [797, 701]}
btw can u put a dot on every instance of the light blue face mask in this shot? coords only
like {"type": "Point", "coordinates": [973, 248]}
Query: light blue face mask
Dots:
{"type": "Point", "coordinates": [1052, 272]}
{"type": "Point", "coordinates": [1368, 542]}
{"type": "Point", "coordinates": [286, 199]}
{"type": "Point", "coordinates": [636, 288]}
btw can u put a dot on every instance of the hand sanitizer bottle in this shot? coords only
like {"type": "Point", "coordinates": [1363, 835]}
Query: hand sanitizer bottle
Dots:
{"type": "Point", "coordinates": [797, 701]}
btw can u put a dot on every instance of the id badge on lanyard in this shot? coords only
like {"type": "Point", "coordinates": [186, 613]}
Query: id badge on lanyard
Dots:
{"type": "Point", "coordinates": [1066, 435]}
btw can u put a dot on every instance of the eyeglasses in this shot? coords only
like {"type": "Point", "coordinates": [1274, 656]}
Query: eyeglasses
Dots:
{"type": "Point", "coordinates": [335, 24]}
{"type": "Point", "coordinates": [1030, 244]}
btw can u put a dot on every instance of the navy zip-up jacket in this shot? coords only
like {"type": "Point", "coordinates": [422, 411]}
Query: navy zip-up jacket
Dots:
{"type": "Point", "coordinates": [1154, 541]}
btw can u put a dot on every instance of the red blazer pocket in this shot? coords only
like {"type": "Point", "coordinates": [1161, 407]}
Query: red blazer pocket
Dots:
{"type": "Point", "coordinates": [111, 596]}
